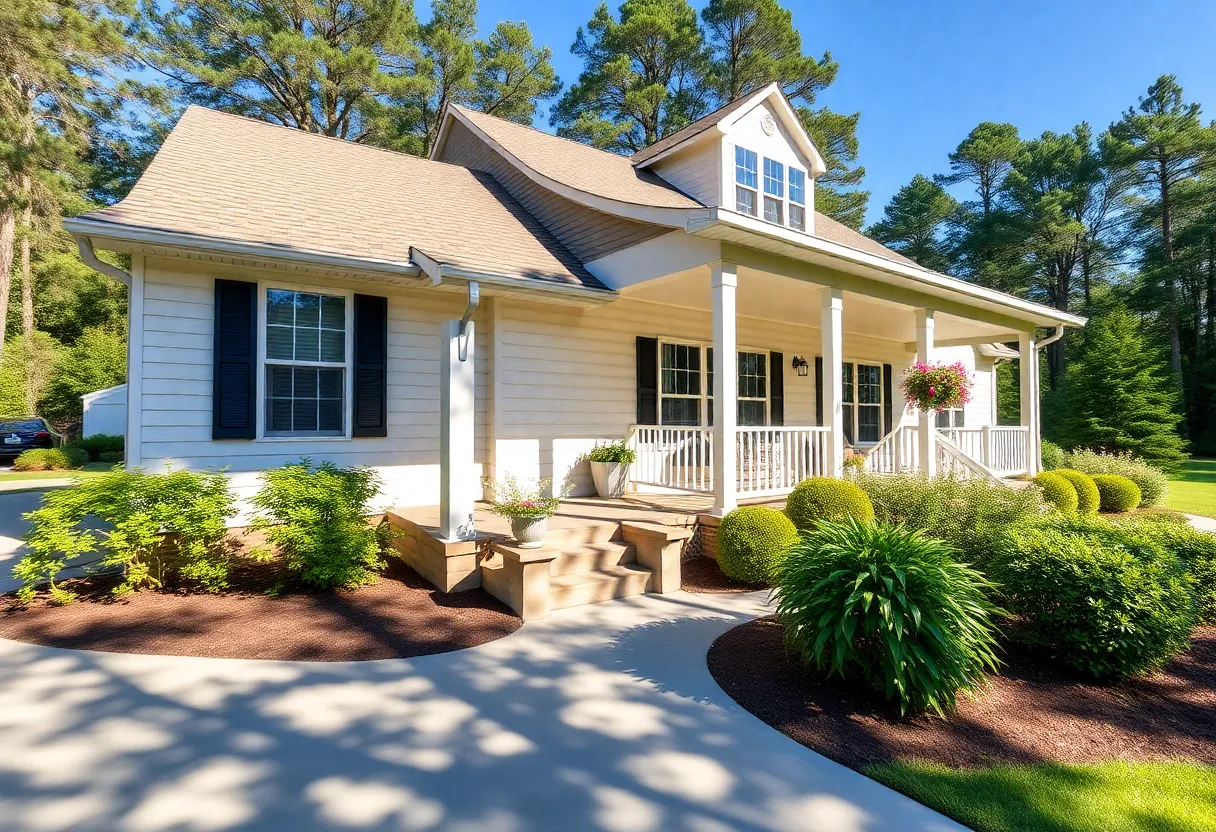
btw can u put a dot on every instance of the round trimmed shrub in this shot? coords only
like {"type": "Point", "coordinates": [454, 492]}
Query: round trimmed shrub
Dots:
{"type": "Point", "coordinates": [1116, 493]}
{"type": "Point", "coordinates": [50, 459]}
{"type": "Point", "coordinates": [1105, 598]}
{"type": "Point", "coordinates": [826, 500]}
{"type": "Point", "coordinates": [1052, 456]}
{"type": "Point", "coordinates": [1152, 482]}
{"type": "Point", "coordinates": [752, 542]}
{"type": "Point", "coordinates": [1058, 491]}
{"type": "Point", "coordinates": [1088, 498]}
{"type": "Point", "coordinates": [891, 605]}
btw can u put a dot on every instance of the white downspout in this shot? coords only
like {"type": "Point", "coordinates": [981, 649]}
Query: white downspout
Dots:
{"type": "Point", "coordinates": [84, 245]}
{"type": "Point", "coordinates": [1037, 428]}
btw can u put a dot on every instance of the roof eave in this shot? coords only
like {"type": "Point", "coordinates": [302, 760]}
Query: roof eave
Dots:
{"type": "Point", "coordinates": [441, 273]}
{"type": "Point", "coordinates": [1033, 312]}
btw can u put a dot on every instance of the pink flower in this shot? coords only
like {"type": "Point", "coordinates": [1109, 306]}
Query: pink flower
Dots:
{"type": "Point", "coordinates": [932, 391]}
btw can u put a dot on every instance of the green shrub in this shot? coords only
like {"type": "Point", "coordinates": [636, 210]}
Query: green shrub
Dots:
{"type": "Point", "coordinates": [1052, 455]}
{"type": "Point", "coordinates": [1195, 549]}
{"type": "Point", "coordinates": [613, 452]}
{"type": "Point", "coordinates": [156, 527]}
{"type": "Point", "coordinates": [110, 456]}
{"type": "Point", "coordinates": [1116, 493]}
{"type": "Point", "coordinates": [1103, 597]}
{"type": "Point", "coordinates": [964, 513]}
{"type": "Point", "coordinates": [1058, 491]}
{"type": "Point", "coordinates": [1088, 498]}
{"type": "Point", "coordinates": [826, 500]}
{"type": "Point", "coordinates": [50, 459]}
{"type": "Point", "coordinates": [98, 444]}
{"type": "Point", "coordinates": [890, 604]}
{"type": "Point", "coordinates": [1152, 482]}
{"type": "Point", "coordinates": [315, 516]}
{"type": "Point", "coordinates": [752, 542]}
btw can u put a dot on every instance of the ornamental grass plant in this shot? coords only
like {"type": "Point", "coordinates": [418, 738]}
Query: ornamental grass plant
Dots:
{"type": "Point", "coordinates": [892, 606]}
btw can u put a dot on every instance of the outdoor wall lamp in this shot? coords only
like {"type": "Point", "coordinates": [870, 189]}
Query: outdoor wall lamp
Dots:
{"type": "Point", "coordinates": [799, 364]}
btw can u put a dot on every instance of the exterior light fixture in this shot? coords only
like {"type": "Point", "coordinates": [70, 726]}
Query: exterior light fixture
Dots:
{"type": "Point", "coordinates": [799, 364]}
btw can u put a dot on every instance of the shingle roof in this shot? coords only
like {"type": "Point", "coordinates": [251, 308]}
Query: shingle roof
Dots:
{"type": "Point", "coordinates": [697, 127]}
{"type": "Point", "coordinates": [228, 177]}
{"type": "Point", "coordinates": [580, 166]}
{"type": "Point", "coordinates": [828, 229]}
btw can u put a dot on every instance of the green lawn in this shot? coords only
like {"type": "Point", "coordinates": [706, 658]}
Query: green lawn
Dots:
{"type": "Point", "coordinates": [1193, 490]}
{"type": "Point", "coordinates": [1107, 797]}
{"type": "Point", "coordinates": [92, 469]}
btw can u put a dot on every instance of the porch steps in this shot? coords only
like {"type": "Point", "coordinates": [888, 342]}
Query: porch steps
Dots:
{"type": "Point", "coordinates": [592, 558]}
{"type": "Point", "coordinates": [577, 589]}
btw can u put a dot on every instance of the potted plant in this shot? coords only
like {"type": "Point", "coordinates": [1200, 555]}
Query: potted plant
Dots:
{"type": "Point", "coordinates": [936, 386]}
{"type": "Point", "coordinates": [610, 467]}
{"type": "Point", "coordinates": [527, 509]}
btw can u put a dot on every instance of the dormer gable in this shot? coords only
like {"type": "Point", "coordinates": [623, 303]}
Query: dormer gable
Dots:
{"type": "Point", "coordinates": [752, 156]}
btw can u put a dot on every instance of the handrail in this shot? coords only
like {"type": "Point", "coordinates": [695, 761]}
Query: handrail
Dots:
{"type": "Point", "coordinates": [974, 466]}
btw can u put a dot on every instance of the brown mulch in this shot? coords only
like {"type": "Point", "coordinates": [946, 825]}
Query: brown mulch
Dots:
{"type": "Point", "coordinates": [399, 616]}
{"type": "Point", "coordinates": [1031, 713]}
{"type": "Point", "coordinates": [702, 574]}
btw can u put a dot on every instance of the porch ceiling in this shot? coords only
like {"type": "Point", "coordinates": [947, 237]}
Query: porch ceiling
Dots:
{"type": "Point", "coordinates": [776, 298]}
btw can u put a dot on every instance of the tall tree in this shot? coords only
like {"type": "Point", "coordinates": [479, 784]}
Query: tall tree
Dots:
{"type": "Point", "coordinates": [513, 74]}
{"type": "Point", "coordinates": [644, 76]}
{"type": "Point", "coordinates": [316, 65]}
{"type": "Point", "coordinates": [913, 220]}
{"type": "Point", "coordinates": [54, 55]}
{"type": "Point", "coordinates": [753, 43]}
{"type": "Point", "coordinates": [1163, 143]}
{"type": "Point", "coordinates": [1120, 397]}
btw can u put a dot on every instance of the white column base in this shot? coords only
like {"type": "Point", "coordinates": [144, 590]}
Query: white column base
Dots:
{"type": "Point", "coordinates": [456, 407]}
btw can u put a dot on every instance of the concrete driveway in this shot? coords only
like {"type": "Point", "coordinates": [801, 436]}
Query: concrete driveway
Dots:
{"type": "Point", "coordinates": [12, 529]}
{"type": "Point", "coordinates": [599, 718]}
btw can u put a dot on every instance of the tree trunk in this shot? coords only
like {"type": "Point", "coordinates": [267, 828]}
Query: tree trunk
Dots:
{"type": "Point", "coordinates": [1210, 296]}
{"type": "Point", "coordinates": [27, 309]}
{"type": "Point", "coordinates": [1171, 283]}
{"type": "Point", "coordinates": [8, 230]}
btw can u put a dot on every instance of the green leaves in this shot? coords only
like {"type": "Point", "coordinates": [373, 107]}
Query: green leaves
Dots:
{"type": "Point", "coordinates": [890, 605]}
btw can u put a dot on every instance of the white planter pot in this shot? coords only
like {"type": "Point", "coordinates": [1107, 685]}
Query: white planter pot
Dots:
{"type": "Point", "coordinates": [611, 478]}
{"type": "Point", "coordinates": [529, 532]}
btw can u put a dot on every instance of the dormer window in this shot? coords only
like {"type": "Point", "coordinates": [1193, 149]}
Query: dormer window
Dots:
{"type": "Point", "coordinates": [797, 199]}
{"type": "Point", "coordinates": [774, 190]}
{"type": "Point", "coordinates": [746, 184]}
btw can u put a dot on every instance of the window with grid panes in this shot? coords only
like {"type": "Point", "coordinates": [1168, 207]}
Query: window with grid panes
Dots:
{"type": "Point", "coordinates": [774, 190]}
{"type": "Point", "coordinates": [305, 363]}
{"type": "Point", "coordinates": [746, 183]}
{"type": "Point", "coordinates": [680, 390]}
{"type": "Point", "coordinates": [797, 199]}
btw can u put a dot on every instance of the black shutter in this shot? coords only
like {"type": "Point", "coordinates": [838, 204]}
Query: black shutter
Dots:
{"type": "Point", "coordinates": [648, 380]}
{"type": "Point", "coordinates": [887, 414]}
{"type": "Point", "coordinates": [235, 358]}
{"type": "Point", "coordinates": [819, 390]}
{"type": "Point", "coordinates": [371, 367]}
{"type": "Point", "coordinates": [776, 381]}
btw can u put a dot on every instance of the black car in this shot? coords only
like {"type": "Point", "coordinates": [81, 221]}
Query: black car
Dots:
{"type": "Point", "coordinates": [17, 435]}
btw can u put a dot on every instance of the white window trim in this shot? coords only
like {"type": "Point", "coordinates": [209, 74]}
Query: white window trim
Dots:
{"type": "Point", "coordinates": [348, 376]}
{"type": "Point", "coordinates": [881, 405]}
{"type": "Point", "coordinates": [706, 393]}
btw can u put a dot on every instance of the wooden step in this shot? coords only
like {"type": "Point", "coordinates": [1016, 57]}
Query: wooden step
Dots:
{"type": "Point", "coordinates": [593, 557]}
{"type": "Point", "coordinates": [601, 585]}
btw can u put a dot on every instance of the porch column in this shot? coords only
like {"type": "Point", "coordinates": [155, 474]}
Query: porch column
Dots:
{"type": "Point", "coordinates": [1028, 397]}
{"type": "Point", "coordinates": [724, 279]}
{"type": "Point", "coordinates": [831, 330]}
{"type": "Point", "coordinates": [926, 431]}
{"type": "Point", "coordinates": [456, 433]}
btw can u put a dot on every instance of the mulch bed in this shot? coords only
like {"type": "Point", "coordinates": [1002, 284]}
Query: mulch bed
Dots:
{"type": "Point", "coordinates": [702, 574]}
{"type": "Point", "coordinates": [1031, 713]}
{"type": "Point", "coordinates": [399, 616]}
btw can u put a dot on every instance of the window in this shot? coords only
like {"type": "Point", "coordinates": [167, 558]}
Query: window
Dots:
{"type": "Point", "coordinates": [305, 363]}
{"type": "Point", "coordinates": [951, 418]}
{"type": "Point", "coordinates": [774, 190]}
{"type": "Point", "coordinates": [745, 180]}
{"type": "Point", "coordinates": [797, 199]}
{"type": "Point", "coordinates": [684, 385]}
{"type": "Point", "coordinates": [862, 397]}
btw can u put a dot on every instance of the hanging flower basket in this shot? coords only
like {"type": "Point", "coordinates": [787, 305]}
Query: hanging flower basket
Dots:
{"type": "Point", "coordinates": [936, 386]}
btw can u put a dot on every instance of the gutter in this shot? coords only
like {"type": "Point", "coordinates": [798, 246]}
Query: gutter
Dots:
{"type": "Point", "coordinates": [445, 273]}
{"type": "Point", "coordinates": [84, 244]}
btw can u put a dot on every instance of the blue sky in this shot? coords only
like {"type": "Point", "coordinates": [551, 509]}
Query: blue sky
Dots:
{"type": "Point", "coordinates": [924, 72]}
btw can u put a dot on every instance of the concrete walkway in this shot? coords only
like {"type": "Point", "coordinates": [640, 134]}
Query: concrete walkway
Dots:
{"type": "Point", "coordinates": [599, 718]}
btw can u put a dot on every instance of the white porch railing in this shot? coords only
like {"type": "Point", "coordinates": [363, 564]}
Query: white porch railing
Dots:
{"type": "Point", "coordinates": [897, 451]}
{"type": "Point", "coordinates": [999, 448]}
{"type": "Point", "coordinates": [952, 461]}
{"type": "Point", "coordinates": [769, 460]}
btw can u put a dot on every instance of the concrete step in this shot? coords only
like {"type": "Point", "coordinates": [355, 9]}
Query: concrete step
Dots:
{"type": "Point", "coordinates": [586, 532]}
{"type": "Point", "coordinates": [601, 585]}
{"type": "Point", "coordinates": [593, 557]}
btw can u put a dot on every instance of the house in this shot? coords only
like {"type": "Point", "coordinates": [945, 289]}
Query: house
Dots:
{"type": "Point", "coordinates": [514, 299]}
{"type": "Point", "coordinates": [105, 411]}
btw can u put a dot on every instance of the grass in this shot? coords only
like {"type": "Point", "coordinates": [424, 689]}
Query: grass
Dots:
{"type": "Point", "coordinates": [1050, 797]}
{"type": "Point", "coordinates": [1193, 489]}
{"type": "Point", "coordinates": [91, 469]}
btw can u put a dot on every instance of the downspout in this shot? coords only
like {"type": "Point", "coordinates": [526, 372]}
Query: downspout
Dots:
{"type": "Point", "coordinates": [84, 244]}
{"type": "Point", "coordinates": [1038, 398]}
{"type": "Point", "coordinates": [474, 300]}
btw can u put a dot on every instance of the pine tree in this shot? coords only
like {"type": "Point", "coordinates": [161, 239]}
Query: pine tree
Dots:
{"type": "Point", "coordinates": [912, 223]}
{"type": "Point", "coordinates": [1120, 397]}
